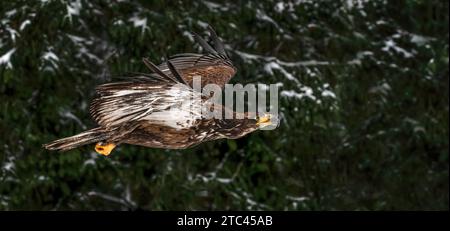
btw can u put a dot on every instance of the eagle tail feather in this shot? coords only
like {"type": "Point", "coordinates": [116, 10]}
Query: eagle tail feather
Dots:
{"type": "Point", "coordinates": [86, 137]}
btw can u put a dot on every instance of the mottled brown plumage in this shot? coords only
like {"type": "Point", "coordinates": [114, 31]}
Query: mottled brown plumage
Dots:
{"type": "Point", "coordinates": [162, 110]}
{"type": "Point", "coordinates": [217, 74]}
{"type": "Point", "coordinates": [159, 136]}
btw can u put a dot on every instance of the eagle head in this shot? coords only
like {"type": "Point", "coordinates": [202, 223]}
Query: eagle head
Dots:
{"type": "Point", "coordinates": [236, 128]}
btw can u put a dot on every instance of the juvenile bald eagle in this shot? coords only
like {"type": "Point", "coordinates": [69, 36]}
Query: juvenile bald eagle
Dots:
{"type": "Point", "coordinates": [150, 110]}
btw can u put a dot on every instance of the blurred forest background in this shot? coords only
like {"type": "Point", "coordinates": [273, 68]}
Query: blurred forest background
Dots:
{"type": "Point", "coordinates": [364, 95]}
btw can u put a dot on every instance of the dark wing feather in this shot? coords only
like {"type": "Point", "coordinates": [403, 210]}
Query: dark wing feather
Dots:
{"type": "Point", "coordinates": [212, 68]}
{"type": "Point", "coordinates": [175, 72]}
{"type": "Point", "coordinates": [203, 43]}
{"type": "Point", "coordinates": [218, 45]}
{"type": "Point", "coordinates": [157, 71]}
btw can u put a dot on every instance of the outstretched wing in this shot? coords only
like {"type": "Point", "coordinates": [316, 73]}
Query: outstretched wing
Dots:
{"type": "Point", "coordinates": [214, 67]}
{"type": "Point", "coordinates": [157, 100]}
{"type": "Point", "coordinates": [211, 68]}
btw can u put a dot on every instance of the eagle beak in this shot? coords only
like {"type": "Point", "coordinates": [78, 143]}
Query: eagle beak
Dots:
{"type": "Point", "coordinates": [264, 121]}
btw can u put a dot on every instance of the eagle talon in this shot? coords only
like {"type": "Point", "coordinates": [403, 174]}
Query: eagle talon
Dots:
{"type": "Point", "coordinates": [104, 149]}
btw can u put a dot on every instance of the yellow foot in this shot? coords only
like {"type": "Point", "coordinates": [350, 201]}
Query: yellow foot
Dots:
{"type": "Point", "coordinates": [104, 148]}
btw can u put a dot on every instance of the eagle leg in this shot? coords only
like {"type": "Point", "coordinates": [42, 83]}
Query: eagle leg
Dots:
{"type": "Point", "coordinates": [105, 148]}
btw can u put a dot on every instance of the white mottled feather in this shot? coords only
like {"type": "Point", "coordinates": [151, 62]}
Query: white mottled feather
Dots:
{"type": "Point", "coordinates": [164, 106]}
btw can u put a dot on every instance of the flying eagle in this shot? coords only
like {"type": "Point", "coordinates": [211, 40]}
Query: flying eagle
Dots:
{"type": "Point", "coordinates": [162, 110]}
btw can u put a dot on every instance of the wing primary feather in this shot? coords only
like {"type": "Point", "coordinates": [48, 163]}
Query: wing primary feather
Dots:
{"type": "Point", "coordinates": [155, 69]}
{"type": "Point", "coordinates": [175, 72]}
{"type": "Point", "coordinates": [203, 43]}
{"type": "Point", "coordinates": [218, 45]}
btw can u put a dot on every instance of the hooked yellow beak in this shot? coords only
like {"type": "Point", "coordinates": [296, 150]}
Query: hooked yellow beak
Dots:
{"type": "Point", "coordinates": [264, 121]}
{"type": "Point", "coordinates": [104, 149]}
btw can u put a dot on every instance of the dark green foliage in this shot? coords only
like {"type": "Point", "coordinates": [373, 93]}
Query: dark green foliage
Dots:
{"type": "Point", "coordinates": [364, 99]}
